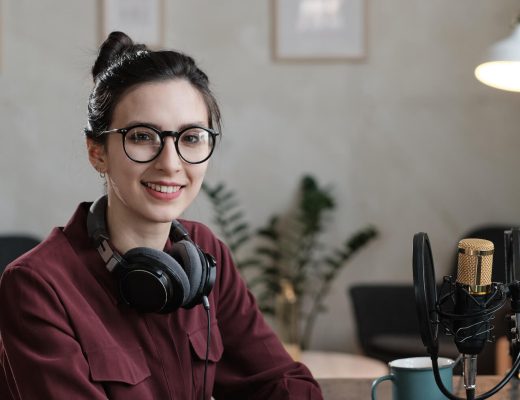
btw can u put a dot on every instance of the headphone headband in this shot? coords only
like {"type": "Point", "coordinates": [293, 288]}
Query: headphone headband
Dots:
{"type": "Point", "coordinates": [96, 226]}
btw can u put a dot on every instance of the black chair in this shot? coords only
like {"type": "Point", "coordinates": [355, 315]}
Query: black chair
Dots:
{"type": "Point", "coordinates": [386, 316]}
{"type": "Point", "coordinates": [387, 323]}
{"type": "Point", "coordinates": [13, 246]}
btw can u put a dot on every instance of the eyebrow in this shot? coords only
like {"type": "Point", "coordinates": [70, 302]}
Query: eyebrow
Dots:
{"type": "Point", "coordinates": [159, 128]}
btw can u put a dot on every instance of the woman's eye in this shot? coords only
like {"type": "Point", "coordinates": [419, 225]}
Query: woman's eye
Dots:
{"type": "Point", "coordinates": [194, 137]}
{"type": "Point", "coordinates": [190, 139]}
{"type": "Point", "coordinates": [141, 136]}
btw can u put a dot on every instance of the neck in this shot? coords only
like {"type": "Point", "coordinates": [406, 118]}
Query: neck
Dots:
{"type": "Point", "coordinates": [129, 231]}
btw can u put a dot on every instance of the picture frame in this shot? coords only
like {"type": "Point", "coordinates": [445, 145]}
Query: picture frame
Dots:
{"type": "Point", "coordinates": [142, 20]}
{"type": "Point", "coordinates": [314, 30]}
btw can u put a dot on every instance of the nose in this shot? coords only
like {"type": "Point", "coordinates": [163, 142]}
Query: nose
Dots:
{"type": "Point", "coordinates": [168, 160]}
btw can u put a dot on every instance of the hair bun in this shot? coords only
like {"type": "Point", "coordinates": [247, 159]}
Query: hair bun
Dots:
{"type": "Point", "coordinates": [114, 46]}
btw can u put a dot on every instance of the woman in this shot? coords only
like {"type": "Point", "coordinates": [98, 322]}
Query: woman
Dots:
{"type": "Point", "coordinates": [115, 304]}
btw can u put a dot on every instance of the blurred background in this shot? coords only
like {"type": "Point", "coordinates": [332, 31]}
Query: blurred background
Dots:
{"type": "Point", "coordinates": [406, 137]}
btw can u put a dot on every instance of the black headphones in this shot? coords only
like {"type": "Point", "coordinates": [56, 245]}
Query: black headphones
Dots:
{"type": "Point", "coordinates": [151, 280]}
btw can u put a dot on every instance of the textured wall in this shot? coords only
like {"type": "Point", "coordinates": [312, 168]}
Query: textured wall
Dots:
{"type": "Point", "coordinates": [409, 139]}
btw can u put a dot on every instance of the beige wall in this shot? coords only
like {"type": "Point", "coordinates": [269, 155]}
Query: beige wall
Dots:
{"type": "Point", "coordinates": [409, 139]}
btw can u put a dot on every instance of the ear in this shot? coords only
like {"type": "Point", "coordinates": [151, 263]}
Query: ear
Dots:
{"type": "Point", "coordinates": [97, 155]}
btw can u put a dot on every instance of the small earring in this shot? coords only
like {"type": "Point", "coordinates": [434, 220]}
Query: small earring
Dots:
{"type": "Point", "coordinates": [102, 175]}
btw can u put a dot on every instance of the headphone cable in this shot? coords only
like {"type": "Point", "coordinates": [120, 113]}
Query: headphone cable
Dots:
{"type": "Point", "coordinates": [205, 303]}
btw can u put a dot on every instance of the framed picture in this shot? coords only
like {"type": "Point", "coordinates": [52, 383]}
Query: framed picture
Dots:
{"type": "Point", "coordinates": [142, 20]}
{"type": "Point", "coordinates": [319, 29]}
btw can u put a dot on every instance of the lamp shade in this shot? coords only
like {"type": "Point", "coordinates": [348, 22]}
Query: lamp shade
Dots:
{"type": "Point", "coordinates": [501, 68]}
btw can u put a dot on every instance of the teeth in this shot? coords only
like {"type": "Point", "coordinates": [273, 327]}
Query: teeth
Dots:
{"type": "Point", "coordinates": [162, 188]}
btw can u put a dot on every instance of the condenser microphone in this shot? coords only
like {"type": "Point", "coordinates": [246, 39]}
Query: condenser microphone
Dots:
{"type": "Point", "coordinates": [473, 288]}
{"type": "Point", "coordinates": [464, 307]}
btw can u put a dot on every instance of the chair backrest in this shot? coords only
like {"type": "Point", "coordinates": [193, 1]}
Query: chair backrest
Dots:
{"type": "Point", "coordinates": [13, 246]}
{"type": "Point", "coordinates": [384, 309]}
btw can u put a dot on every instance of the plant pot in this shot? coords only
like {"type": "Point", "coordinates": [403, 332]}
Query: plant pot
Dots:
{"type": "Point", "coordinates": [287, 319]}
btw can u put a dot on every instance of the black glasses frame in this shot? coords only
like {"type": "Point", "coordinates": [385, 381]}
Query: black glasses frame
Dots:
{"type": "Point", "coordinates": [163, 135]}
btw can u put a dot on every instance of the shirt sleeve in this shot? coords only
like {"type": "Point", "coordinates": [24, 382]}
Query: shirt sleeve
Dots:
{"type": "Point", "coordinates": [42, 359]}
{"type": "Point", "coordinates": [254, 364]}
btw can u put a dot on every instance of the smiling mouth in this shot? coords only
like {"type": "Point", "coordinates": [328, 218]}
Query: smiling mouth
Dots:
{"type": "Point", "coordinates": [162, 188]}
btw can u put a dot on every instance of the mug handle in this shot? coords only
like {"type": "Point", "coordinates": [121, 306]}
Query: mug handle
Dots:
{"type": "Point", "coordinates": [388, 377]}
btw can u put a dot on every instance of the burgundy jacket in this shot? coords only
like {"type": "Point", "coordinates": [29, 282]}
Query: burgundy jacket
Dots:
{"type": "Point", "coordinates": [65, 335]}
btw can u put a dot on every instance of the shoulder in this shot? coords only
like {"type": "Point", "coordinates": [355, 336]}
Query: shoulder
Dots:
{"type": "Point", "coordinates": [61, 247]}
{"type": "Point", "coordinates": [54, 263]}
{"type": "Point", "coordinates": [41, 255]}
{"type": "Point", "coordinates": [36, 271]}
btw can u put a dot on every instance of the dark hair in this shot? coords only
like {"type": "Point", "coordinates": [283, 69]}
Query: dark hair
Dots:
{"type": "Point", "coordinates": [121, 64]}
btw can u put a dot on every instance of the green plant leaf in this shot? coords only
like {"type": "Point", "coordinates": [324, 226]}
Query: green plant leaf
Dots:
{"type": "Point", "coordinates": [236, 217]}
{"type": "Point", "coordinates": [269, 252]}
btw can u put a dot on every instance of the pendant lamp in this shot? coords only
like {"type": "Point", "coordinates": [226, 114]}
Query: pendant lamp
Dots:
{"type": "Point", "coordinates": [501, 66]}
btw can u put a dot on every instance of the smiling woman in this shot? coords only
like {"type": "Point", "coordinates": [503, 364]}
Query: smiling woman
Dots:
{"type": "Point", "coordinates": [127, 301]}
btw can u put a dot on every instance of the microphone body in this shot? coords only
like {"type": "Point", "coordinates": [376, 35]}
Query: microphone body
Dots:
{"type": "Point", "coordinates": [472, 291]}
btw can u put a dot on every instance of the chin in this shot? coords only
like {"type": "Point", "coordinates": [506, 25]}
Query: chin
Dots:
{"type": "Point", "coordinates": [168, 216]}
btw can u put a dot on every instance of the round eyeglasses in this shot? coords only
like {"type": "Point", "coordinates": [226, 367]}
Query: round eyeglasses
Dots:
{"type": "Point", "coordinates": [143, 143]}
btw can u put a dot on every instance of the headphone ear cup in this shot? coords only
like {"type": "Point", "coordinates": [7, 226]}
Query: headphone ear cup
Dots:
{"type": "Point", "coordinates": [189, 256]}
{"type": "Point", "coordinates": [152, 281]}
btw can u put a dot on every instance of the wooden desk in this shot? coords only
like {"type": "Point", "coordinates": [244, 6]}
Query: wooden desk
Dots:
{"type": "Point", "coordinates": [329, 364]}
{"type": "Point", "coordinates": [360, 389]}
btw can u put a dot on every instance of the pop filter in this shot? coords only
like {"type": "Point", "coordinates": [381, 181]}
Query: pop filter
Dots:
{"type": "Point", "coordinates": [425, 292]}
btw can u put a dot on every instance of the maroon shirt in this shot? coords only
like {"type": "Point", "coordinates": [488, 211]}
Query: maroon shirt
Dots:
{"type": "Point", "coordinates": [65, 335]}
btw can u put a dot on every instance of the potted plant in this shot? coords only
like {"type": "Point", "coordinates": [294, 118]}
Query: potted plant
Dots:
{"type": "Point", "coordinates": [290, 268]}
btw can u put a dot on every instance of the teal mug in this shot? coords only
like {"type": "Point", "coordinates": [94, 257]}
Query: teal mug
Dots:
{"type": "Point", "coordinates": [413, 378]}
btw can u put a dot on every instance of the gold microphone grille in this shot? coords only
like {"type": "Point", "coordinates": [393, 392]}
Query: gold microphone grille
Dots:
{"type": "Point", "coordinates": [475, 262]}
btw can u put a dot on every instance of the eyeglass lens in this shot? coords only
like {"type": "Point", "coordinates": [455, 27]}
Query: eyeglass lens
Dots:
{"type": "Point", "coordinates": [144, 144]}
